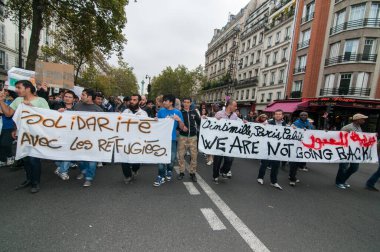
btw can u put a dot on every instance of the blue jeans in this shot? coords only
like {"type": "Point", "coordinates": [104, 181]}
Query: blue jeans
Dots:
{"type": "Point", "coordinates": [88, 169]}
{"type": "Point", "coordinates": [64, 166]}
{"type": "Point", "coordinates": [374, 178]}
{"type": "Point", "coordinates": [163, 168]}
{"type": "Point", "coordinates": [345, 171]}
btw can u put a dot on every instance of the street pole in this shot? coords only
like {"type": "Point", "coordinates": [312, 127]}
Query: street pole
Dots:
{"type": "Point", "coordinates": [20, 38]}
{"type": "Point", "coordinates": [142, 87]}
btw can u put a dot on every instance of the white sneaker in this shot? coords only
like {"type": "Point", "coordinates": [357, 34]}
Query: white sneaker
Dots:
{"type": "Point", "coordinates": [10, 161]}
{"type": "Point", "coordinates": [210, 162]}
{"type": "Point", "coordinates": [99, 164]}
{"type": "Point", "coordinates": [64, 176]}
{"type": "Point", "coordinates": [56, 171]}
{"type": "Point", "coordinates": [260, 181]}
{"type": "Point", "coordinates": [276, 185]}
{"type": "Point", "coordinates": [2, 164]}
{"type": "Point", "coordinates": [229, 174]}
{"type": "Point", "coordinates": [80, 176]}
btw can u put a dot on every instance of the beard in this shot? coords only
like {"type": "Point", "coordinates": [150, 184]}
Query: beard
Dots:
{"type": "Point", "coordinates": [133, 107]}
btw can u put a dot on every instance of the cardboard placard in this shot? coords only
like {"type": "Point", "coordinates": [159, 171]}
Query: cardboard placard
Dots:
{"type": "Point", "coordinates": [55, 75]}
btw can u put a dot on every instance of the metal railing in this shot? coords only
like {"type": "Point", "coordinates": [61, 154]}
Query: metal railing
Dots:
{"type": "Point", "coordinates": [365, 22]}
{"type": "Point", "coordinates": [307, 18]}
{"type": "Point", "coordinates": [351, 57]}
{"type": "Point", "coordinates": [303, 44]}
{"type": "Point", "coordinates": [345, 91]}
{"type": "Point", "coordinates": [300, 70]}
{"type": "Point", "coordinates": [296, 94]}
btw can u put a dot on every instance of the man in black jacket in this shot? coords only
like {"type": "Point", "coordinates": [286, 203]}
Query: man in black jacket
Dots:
{"type": "Point", "coordinates": [188, 139]}
{"type": "Point", "coordinates": [274, 164]}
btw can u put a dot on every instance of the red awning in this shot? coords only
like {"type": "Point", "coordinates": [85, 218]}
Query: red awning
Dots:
{"type": "Point", "coordinates": [287, 107]}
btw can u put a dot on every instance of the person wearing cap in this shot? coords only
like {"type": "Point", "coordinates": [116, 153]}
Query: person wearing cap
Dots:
{"type": "Point", "coordinates": [347, 169]}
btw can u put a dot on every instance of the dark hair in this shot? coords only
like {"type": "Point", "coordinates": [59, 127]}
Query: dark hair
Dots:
{"type": "Point", "coordinates": [99, 94]}
{"type": "Point", "coordinates": [90, 92]}
{"type": "Point", "coordinates": [279, 110]}
{"type": "Point", "coordinates": [139, 96]}
{"type": "Point", "coordinates": [127, 98]}
{"type": "Point", "coordinates": [150, 101]}
{"type": "Point", "coordinates": [187, 98]}
{"type": "Point", "coordinates": [69, 92]}
{"type": "Point", "coordinates": [27, 84]}
{"type": "Point", "coordinates": [170, 98]}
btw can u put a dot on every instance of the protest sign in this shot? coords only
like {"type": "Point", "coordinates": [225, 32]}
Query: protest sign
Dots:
{"type": "Point", "coordinates": [258, 141]}
{"type": "Point", "coordinates": [15, 74]}
{"type": "Point", "coordinates": [90, 136]}
{"type": "Point", "coordinates": [55, 75]}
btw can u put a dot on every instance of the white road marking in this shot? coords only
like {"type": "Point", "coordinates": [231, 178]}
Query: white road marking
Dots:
{"type": "Point", "coordinates": [249, 237]}
{"type": "Point", "coordinates": [191, 188]}
{"type": "Point", "coordinates": [215, 223]}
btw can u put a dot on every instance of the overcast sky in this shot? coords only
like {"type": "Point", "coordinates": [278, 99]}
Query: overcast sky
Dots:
{"type": "Point", "coordinates": [164, 33]}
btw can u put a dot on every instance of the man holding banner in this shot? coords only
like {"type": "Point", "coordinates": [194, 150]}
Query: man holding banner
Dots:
{"type": "Point", "coordinates": [26, 91]}
{"type": "Point", "coordinates": [88, 168]}
{"type": "Point", "coordinates": [133, 109]}
{"type": "Point", "coordinates": [168, 110]}
{"type": "Point", "coordinates": [228, 114]}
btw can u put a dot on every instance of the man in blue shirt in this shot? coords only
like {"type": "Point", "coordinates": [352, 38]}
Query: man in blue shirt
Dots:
{"type": "Point", "coordinates": [168, 110]}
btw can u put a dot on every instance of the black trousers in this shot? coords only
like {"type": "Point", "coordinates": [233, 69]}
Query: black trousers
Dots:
{"type": "Point", "coordinates": [6, 141]}
{"type": "Point", "coordinates": [273, 172]}
{"type": "Point", "coordinates": [227, 163]}
{"type": "Point", "coordinates": [32, 168]}
{"type": "Point", "coordinates": [293, 167]}
{"type": "Point", "coordinates": [128, 168]}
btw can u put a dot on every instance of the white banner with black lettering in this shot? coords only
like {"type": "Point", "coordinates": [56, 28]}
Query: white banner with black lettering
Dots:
{"type": "Point", "coordinates": [258, 141]}
{"type": "Point", "coordinates": [90, 136]}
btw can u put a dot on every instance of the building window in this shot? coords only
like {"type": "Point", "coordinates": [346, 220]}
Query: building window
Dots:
{"type": "Point", "coordinates": [244, 76]}
{"type": "Point", "coordinates": [264, 79]}
{"type": "Point", "coordinates": [260, 37]}
{"type": "Point", "coordinates": [284, 52]}
{"type": "Point", "coordinates": [2, 59]}
{"type": "Point", "coordinates": [266, 60]}
{"type": "Point", "coordinates": [339, 17]}
{"type": "Point", "coordinates": [272, 77]}
{"type": "Point", "coordinates": [242, 48]}
{"type": "Point", "coordinates": [247, 94]}
{"type": "Point", "coordinates": [241, 94]}
{"type": "Point", "coordinates": [334, 50]}
{"type": "Point", "coordinates": [253, 93]}
{"type": "Point", "coordinates": [329, 81]}
{"type": "Point", "coordinates": [249, 74]}
{"type": "Point", "coordinates": [279, 95]}
{"type": "Point", "coordinates": [351, 49]}
{"type": "Point", "coordinates": [262, 97]}
{"type": "Point", "coordinates": [269, 41]}
{"type": "Point", "coordinates": [2, 32]}
{"type": "Point", "coordinates": [248, 44]}
{"type": "Point", "coordinates": [301, 64]}
{"type": "Point", "coordinates": [345, 83]}
{"type": "Point", "coordinates": [304, 39]}
{"type": "Point", "coordinates": [357, 12]}
{"type": "Point", "coordinates": [275, 57]}
{"type": "Point", "coordinates": [374, 13]}
{"type": "Point", "coordinates": [278, 35]}
{"type": "Point", "coordinates": [362, 81]}
{"type": "Point", "coordinates": [308, 12]}
{"type": "Point", "coordinates": [282, 75]}
{"type": "Point", "coordinates": [252, 58]}
{"type": "Point", "coordinates": [237, 95]}
{"type": "Point", "coordinates": [269, 97]}
{"type": "Point", "coordinates": [287, 32]}
{"type": "Point", "coordinates": [254, 41]}
{"type": "Point", "coordinates": [297, 86]}
{"type": "Point", "coordinates": [370, 48]}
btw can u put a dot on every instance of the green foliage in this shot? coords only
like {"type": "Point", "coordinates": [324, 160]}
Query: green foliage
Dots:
{"type": "Point", "coordinates": [181, 82]}
{"type": "Point", "coordinates": [84, 25]}
{"type": "Point", "coordinates": [119, 81]}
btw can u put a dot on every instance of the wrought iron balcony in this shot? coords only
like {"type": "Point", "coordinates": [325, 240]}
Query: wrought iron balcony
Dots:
{"type": "Point", "coordinates": [296, 94]}
{"type": "Point", "coordinates": [345, 91]}
{"type": "Point", "coordinates": [249, 82]}
{"type": "Point", "coordinates": [351, 57]}
{"type": "Point", "coordinates": [300, 70]}
{"type": "Point", "coordinates": [353, 24]}
{"type": "Point", "coordinates": [303, 44]}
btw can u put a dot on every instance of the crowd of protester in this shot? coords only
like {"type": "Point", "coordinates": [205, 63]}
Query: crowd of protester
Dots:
{"type": "Point", "coordinates": [185, 134]}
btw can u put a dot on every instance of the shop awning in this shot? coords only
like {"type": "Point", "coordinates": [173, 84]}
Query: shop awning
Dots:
{"type": "Point", "coordinates": [287, 107]}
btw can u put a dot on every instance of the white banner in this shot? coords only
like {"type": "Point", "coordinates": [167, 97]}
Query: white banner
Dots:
{"type": "Point", "coordinates": [90, 136]}
{"type": "Point", "coordinates": [258, 141]}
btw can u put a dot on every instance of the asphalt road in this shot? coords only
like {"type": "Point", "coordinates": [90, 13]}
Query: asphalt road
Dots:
{"type": "Point", "coordinates": [112, 216]}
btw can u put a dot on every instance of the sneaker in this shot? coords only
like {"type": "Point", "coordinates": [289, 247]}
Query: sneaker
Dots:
{"type": "Point", "coordinates": [276, 185]}
{"type": "Point", "coordinates": [224, 175]}
{"type": "Point", "coordinates": [229, 175]}
{"type": "Point", "coordinates": [73, 166]}
{"type": "Point", "coordinates": [56, 171]}
{"type": "Point", "coordinates": [99, 165]}
{"type": "Point", "coordinates": [128, 180]}
{"type": "Point", "coordinates": [340, 186]}
{"type": "Point", "coordinates": [35, 188]}
{"type": "Point", "coordinates": [347, 185]}
{"type": "Point", "coordinates": [24, 184]}
{"type": "Point", "coordinates": [193, 177]}
{"type": "Point", "coordinates": [181, 175]}
{"type": "Point", "coordinates": [260, 181]}
{"type": "Point", "coordinates": [292, 183]}
{"type": "Point", "coordinates": [2, 164]}
{"type": "Point", "coordinates": [372, 188]}
{"type": "Point", "coordinates": [10, 161]}
{"type": "Point", "coordinates": [87, 183]}
{"type": "Point", "coordinates": [210, 162]}
{"type": "Point", "coordinates": [168, 176]}
{"type": "Point", "coordinates": [305, 169]}
{"type": "Point", "coordinates": [64, 176]}
{"type": "Point", "coordinates": [80, 176]}
{"type": "Point", "coordinates": [135, 173]}
{"type": "Point", "coordinates": [297, 180]}
{"type": "Point", "coordinates": [159, 181]}
{"type": "Point", "coordinates": [215, 180]}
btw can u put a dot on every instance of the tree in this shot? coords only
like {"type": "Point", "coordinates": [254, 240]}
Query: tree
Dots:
{"type": "Point", "coordinates": [97, 23]}
{"type": "Point", "coordinates": [180, 82]}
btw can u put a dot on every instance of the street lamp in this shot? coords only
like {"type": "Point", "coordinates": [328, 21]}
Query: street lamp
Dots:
{"type": "Point", "coordinates": [142, 87]}
{"type": "Point", "coordinates": [147, 77]}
